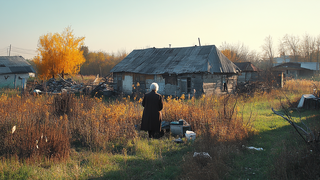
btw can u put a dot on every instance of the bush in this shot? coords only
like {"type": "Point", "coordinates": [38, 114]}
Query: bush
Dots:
{"type": "Point", "coordinates": [28, 130]}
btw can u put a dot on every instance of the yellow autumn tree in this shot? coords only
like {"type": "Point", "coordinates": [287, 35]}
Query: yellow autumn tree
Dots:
{"type": "Point", "coordinates": [231, 55]}
{"type": "Point", "coordinates": [59, 54]}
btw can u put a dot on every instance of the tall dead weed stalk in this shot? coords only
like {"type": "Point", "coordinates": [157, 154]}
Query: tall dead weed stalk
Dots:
{"type": "Point", "coordinates": [49, 125]}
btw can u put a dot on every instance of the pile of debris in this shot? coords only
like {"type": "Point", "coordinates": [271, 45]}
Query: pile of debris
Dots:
{"type": "Point", "coordinates": [62, 85]}
{"type": "Point", "coordinates": [250, 87]}
{"type": "Point", "coordinates": [95, 88]}
{"type": "Point", "coordinates": [104, 88]}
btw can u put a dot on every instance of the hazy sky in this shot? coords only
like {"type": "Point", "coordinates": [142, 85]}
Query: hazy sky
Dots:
{"type": "Point", "coordinates": [115, 25]}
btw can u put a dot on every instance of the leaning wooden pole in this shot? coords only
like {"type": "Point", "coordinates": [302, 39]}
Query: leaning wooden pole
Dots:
{"type": "Point", "coordinates": [296, 127]}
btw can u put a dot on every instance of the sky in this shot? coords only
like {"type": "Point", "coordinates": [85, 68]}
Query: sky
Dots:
{"type": "Point", "coordinates": [124, 25]}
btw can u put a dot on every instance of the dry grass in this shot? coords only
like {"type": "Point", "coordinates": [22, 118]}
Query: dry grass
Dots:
{"type": "Point", "coordinates": [90, 122]}
{"type": "Point", "coordinates": [28, 130]}
{"type": "Point", "coordinates": [47, 126]}
{"type": "Point", "coordinates": [222, 133]}
{"type": "Point", "coordinates": [217, 114]}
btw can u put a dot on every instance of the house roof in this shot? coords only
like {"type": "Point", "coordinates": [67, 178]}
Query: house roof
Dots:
{"type": "Point", "coordinates": [195, 59]}
{"type": "Point", "coordinates": [247, 67]}
{"type": "Point", "coordinates": [310, 65]}
{"type": "Point", "coordinates": [14, 65]}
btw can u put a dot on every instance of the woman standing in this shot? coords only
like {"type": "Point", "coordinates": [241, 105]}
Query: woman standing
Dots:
{"type": "Point", "coordinates": [151, 118]}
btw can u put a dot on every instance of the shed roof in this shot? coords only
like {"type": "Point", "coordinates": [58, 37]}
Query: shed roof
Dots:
{"type": "Point", "coordinates": [195, 59]}
{"type": "Point", "coordinates": [247, 66]}
{"type": "Point", "coordinates": [14, 65]}
{"type": "Point", "coordinates": [298, 65]}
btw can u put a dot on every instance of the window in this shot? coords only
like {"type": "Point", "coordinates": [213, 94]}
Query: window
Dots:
{"type": "Point", "coordinates": [188, 85]}
{"type": "Point", "coordinates": [137, 78]}
{"type": "Point", "coordinates": [183, 86]}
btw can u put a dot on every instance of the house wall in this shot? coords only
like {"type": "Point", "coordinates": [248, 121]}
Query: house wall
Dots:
{"type": "Point", "coordinates": [255, 76]}
{"type": "Point", "coordinates": [127, 83]}
{"type": "Point", "coordinates": [123, 82]}
{"type": "Point", "coordinates": [149, 79]}
{"type": "Point", "coordinates": [291, 73]}
{"type": "Point", "coordinates": [248, 76]}
{"type": "Point", "coordinates": [171, 84]}
{"type": "Point", "coordinates": [232, 82]}
{"type": "Point", "coordinates": [117, 81]}
{"type": "Point", "coordinates": [13, 80]}
{"type": "Point", "coordinates": [297, 73]}
{"type": "Point", "coordinates": [213, 84]}
{"type": "Point", "coordinates": [189, 85]}
{"type": "Point", "coordinates": [242, 77]}
{"type": "Point", "coordinates": [306, 73]}
{"type": "Point", "coordinates": [175, 85]}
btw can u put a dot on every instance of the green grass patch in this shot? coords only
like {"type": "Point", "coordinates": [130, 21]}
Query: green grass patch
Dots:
{"type": "Point", "coordinates": [140, 159]}
{"type": "Point", "coordinates": [272, 134]}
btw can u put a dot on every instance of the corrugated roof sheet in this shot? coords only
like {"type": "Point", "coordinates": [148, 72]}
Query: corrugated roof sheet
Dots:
{"type": "Point", "coordinates": [195, 59]}
{"type": "Point", "coordinates": [14, 64]}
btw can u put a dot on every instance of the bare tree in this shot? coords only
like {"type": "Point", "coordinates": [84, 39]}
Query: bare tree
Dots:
{"type": "Point", "coordinates": [292, 45]}
{"type": "Point", "coordinates": [253, 56]}
{"type": "Point", "coordinates": [268, 49]}
{"type": "Point", "coordinates": [282, 50]}
{"type": "Point", "coordinates": [312, 49]}
{"type": "Point", "coordinates": [307, 47]}
{"type": "Point", "coordinates": [317, 47]}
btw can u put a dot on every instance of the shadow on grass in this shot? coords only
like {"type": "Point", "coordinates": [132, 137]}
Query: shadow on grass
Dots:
{"type": "Point", "coordinates": [249, 164]}
{"type": "Point", "coordinates": [253, 164]}
{"type": "Point", "coordinates": [167, 165]}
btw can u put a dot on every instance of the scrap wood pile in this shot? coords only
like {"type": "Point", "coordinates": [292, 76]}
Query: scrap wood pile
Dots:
{"type": "Point", "coordinates": [250, 87]}
{"type": "Point", "coordinates": [99, 89]}
{"type": "Point", "coordinates": [100, 86]}
{"type": "Point", "coordinates": [105, 87]}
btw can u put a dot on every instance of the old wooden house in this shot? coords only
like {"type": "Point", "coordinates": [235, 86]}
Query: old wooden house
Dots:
{"type": "Point", "coordinates": [187, 70]}
{"type": "Point", "coordinates": [249, 72]}
{"type": "Point", "coordinates": [14, 71]}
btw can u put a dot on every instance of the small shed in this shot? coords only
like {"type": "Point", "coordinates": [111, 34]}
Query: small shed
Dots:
{"type": "Point", "coordinates": [14, 71]}
{"type": "Point", "coordinates": [249, 72]}
{"type": "Point", "coordinates": [186, 70]}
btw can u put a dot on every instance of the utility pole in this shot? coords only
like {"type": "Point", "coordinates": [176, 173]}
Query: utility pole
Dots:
{"type": "Point", "coordinates": [9, 49]}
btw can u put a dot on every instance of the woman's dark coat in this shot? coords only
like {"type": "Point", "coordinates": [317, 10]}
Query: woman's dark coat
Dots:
{"type": "Point", "coordinates": [151, 118]}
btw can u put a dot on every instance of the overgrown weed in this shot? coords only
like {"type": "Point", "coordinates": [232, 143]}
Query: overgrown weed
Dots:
{"type": "Point", "coordinates": [48, 128]}
{"type": "Point", "coordinates": [221, 136]}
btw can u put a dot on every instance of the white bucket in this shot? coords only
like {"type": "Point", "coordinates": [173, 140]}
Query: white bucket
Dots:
{"type": "Point", "coordinates": [190, 135]}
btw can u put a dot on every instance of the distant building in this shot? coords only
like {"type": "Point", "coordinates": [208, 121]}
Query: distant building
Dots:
{"type": "Point", "coordinates": [187, 70]}
{"type": "Point", "coordinates": [297, 69]}
{"type": "Point", "coordinates": [14, 71]}
{"type": "Point", "coordinates": [249, 72]}
{"type": "Point", "coordinates": [282, 59]}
